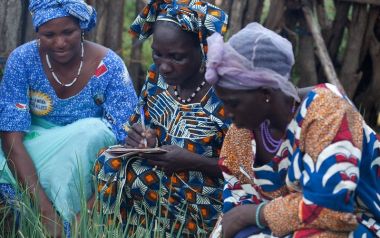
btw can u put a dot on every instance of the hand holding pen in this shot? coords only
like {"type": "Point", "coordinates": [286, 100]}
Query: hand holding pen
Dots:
{"type": "Point", "coordinates": [139, 135]}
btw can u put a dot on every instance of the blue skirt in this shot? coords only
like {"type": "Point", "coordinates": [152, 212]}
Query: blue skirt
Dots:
{"type": "Point", "coordinates": [63, 157]}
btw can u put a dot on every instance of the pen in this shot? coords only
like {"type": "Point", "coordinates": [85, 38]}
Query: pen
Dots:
{"type": "Point", "coordinates": [142, 118]}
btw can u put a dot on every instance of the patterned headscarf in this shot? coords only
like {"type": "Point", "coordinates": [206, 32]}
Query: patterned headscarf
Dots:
{"type": "Point", "coordinates": [195, 16]}
{"type": "Point", "coordinates": [252, 58]}
{"type": "Point", "coordinates": [46, 10]}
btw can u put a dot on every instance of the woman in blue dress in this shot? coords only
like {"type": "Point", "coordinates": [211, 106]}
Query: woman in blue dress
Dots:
{"type": "Point", "coordinates": [62, 98]}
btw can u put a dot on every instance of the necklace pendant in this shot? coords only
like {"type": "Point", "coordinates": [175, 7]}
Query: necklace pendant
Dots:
{"type": "Point", "coordinates": [55, 77]}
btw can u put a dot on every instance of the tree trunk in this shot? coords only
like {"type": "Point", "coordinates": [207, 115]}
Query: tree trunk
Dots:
{"type": "Point", "coordinates": [375, 56]}
{"type": "Point", "coordinates": [254, 10]}
{"type": "Point", "coordinates": [11, 23]}
{"type": "Point", "coordinates": [337, 30]}
{"type": "Point", "coordinates": [237, 16]}
{"type": "Point", "coordinates": [274, 20]}
{"type": "Point", "coordinates": [109, 29]}
{"type": "Point", "coordinates": [306, 63]}
{"type": "Point", "coordinates": [322, 52]}
{"type": "Point", "coordinates": [28, 33]}
{"type": "Point", "coordinates": [135, 65]}
{"type": "Point", "coordinates": [373, 16]}
{"type": "Point", "coordinates": [369, 99]}
{"type": "Point", "coordinates": [323, 20]}
{"type": "Point", "coordinates": [349, 75]}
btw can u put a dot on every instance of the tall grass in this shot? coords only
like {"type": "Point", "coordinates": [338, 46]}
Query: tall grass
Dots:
{"type": "Point", "coordinates": [22, 219]}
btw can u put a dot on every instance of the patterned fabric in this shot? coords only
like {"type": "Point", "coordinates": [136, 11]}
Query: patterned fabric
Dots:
{"type": "Point", "coordinates": [8, 198]}
{"type": "Point", "coordinates": [190, 201]}
{"type": "Point", "coordinates": [7, 194]}
{"type": "Point", "coordinates": [195, 16]}
{"type": "Point", "coordinates": [332, 169]}
{"type": "Point", "coordinates": [245, 184]}
{"type": "Point", "coordinates": [46, 10]}
{"type": "Point", "coordinates": [26, 91]}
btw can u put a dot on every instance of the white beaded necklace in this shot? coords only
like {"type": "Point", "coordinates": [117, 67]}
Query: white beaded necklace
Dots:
{"type": "Point", "coordinates": [191, 96]}
{"type": "Point", "coordinates": [79, 69]}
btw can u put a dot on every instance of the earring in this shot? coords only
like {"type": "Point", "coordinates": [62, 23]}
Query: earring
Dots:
{"type": "Point", "coordinates": [267, 100]}
{"type": "Point", "coordinates": [38, 42]}
{"type": "Point", "coordinates": [82, 39]}
{"type": "Point", "coordinates": [202, 69]}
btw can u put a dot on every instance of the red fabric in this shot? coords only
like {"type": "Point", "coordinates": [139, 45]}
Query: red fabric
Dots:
{"type": "Point", "coordinates": [102, 69]}
{"type": "Point", "coordinates": [344, 131]}
{"type": "Point", "coordinates": [308, 213]}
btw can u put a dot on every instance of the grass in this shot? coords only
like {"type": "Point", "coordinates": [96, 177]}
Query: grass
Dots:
{"type": "Point", "coordinates": [95, 225]}
{"type": "Point", "coordinates": [91, 224]}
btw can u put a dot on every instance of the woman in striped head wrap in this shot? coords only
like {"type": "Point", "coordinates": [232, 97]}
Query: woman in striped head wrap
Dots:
{"type": "Point", "coordinates": [62, 99]}
{"type": "Point", "coordinates": [181, 189]}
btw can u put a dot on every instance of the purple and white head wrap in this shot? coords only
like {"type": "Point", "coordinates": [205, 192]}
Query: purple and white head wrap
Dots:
{"type": "Point", "coordinates": [45, 10]}
{"type": "Point", "coordinates": [254, 57]}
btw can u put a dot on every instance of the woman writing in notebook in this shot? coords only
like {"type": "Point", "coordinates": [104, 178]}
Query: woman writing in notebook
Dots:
{"type": "Point", "coordinates": [184, 117]}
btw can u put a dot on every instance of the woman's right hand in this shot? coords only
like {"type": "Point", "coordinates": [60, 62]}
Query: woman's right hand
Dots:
{"type": "Point", "coordinates": [50, 219]}
{"type": "Point", "coordinates": [21, 164]}
{"type": "Point", "coordinates": [137, 134]}
{"type": "Point", "coordinates": [237, 219]}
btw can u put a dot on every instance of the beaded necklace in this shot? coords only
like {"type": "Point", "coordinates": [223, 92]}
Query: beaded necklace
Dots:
{"type": "Point", "coordinates": [79, 69]}
{"type": "Point", "coordinates": [270, 144]}
{"type": "Point", "coordinates": [191, 96]}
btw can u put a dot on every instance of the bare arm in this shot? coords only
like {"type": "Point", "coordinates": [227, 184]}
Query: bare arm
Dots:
{"type": "Point", "coordinates": [22, 167]}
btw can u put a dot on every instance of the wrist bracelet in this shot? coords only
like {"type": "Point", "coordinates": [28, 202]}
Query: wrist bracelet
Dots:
{"type": "Point", "coordinates": [257, 215]}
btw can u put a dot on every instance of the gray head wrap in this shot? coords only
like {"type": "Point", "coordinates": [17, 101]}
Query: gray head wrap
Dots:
{"type": "Point", "coordinates": [252, 58]}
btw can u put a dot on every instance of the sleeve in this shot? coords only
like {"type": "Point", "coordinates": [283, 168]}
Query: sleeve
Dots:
{"type": "Point", "coordinates": [214, 108]}
{"type": "Point", "coordinates": [14, 100]}
{"type": "Point", "coordinates": [120, 99]}
{"type": "Point", "coordinates": [236, 160]}
{"type": "Point", "coordinates": [326, 169]}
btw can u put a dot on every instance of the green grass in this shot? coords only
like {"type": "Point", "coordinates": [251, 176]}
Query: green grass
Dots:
{"type": "Point", "coordinates": [94, 224]}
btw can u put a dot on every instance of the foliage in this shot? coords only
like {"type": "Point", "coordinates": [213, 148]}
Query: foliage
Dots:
{"type": "Point", "coordinates": [93, 223]}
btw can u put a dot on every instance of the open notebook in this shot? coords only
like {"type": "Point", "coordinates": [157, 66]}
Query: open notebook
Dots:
{"type": "Point", "coordinates": [121, 150]}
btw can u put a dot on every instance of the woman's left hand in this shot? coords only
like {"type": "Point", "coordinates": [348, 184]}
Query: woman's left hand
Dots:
{"type": "Point", "coordinates": [176, 159]}
{"type": "Point", "coordinates": [237, 219]}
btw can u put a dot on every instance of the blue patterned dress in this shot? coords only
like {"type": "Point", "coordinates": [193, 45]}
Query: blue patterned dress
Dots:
{"type": "Point", "coordinates": [63, 133]}
{"type": "Point", "coordinates": [190, 201]}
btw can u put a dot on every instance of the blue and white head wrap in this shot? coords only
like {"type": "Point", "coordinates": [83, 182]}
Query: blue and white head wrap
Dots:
{"type": "Point", "coordinates": [45, 10]}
